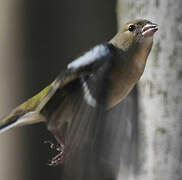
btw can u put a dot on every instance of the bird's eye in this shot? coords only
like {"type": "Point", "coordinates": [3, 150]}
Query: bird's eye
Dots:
{"type": "Point", "coordinates": [131, 28]}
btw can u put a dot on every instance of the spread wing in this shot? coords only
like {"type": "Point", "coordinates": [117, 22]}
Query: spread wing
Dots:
{"type": "Point", "coordinates": [75, 109]}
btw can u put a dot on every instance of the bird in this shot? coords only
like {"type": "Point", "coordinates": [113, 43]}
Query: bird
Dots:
{"type": "Point", "coordinates": [74, 105]}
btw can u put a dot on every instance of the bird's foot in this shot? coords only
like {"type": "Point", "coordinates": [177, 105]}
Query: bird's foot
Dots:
{"type": "Point", "coordinates": [59, 158]}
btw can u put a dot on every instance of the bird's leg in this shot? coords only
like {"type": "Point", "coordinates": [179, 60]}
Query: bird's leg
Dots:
{"type": "Point", "coordinates": [59, 134]}
{"type": "Point", "coordinates": [59, 158]}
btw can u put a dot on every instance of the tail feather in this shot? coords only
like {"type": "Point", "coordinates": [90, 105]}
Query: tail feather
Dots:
{"type": "Point", "coordinates": [8, 122]}
{"type": "Point", "coordinates": [7, 125]}
{"type": "Point", "coordinates": [16, 120]}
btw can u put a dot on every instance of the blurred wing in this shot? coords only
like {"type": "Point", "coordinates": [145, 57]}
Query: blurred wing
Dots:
{"type": "Point", "coordinates": [82, 81]}
{"type": "Point", "coordinates": [102, 144]}
{"type": "Point", "coordinates": [83, 158]}
{"type": "Point", "coordinates": [76, 114]}
{"type": "Point", "coordinates": [83, 67]}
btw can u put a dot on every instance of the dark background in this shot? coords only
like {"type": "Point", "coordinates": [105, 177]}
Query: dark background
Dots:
{"type": "Point", "coordinates": [54, 33]}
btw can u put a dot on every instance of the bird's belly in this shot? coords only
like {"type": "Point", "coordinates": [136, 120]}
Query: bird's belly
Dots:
{"type": "Point", "coordinates": [118, 93]}
{"type": "Point", "coordinates": [120, 86]}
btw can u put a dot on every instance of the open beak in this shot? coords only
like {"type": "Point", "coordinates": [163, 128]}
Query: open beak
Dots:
{"type": "Point", "coordinates": [149, 29]}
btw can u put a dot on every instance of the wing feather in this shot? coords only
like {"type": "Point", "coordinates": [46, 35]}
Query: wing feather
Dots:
{"type": "Point", "coordinates": [91, 136]}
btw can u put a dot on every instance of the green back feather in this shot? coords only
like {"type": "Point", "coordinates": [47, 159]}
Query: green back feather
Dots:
{"type": "Point", "coordinates": [33, 102]}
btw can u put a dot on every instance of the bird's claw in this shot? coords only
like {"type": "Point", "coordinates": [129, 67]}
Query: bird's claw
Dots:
{"type": "Point", "coordinates": [59, 158]}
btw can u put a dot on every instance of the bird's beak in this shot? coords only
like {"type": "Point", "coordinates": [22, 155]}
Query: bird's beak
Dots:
{"type": "Point", "coordinates": [149, 29]}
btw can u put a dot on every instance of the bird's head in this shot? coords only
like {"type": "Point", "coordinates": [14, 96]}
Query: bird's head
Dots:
{"type": "Point", "coordinates": [135, 32]}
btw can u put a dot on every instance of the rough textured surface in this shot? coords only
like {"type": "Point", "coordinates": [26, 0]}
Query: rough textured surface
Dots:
{"type": "Point", "coordinates": [160, 105]}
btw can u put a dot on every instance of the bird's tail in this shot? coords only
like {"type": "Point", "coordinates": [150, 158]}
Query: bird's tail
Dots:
{"type": "Point", "coordinates": [26, 113]}
{"type": "Point", "coordinates": [16, 119]}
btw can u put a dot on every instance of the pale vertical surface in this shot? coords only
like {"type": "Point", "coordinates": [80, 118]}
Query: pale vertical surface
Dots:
{"type": "Point", "coordinates": [160, 89]}
{"type": "Point", "coordinates": [11, 157]}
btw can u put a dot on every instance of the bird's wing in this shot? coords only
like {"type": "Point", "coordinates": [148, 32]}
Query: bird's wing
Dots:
{"type": "Point", "coordinates": [89, 66]}
{"type": "Point", "coordinates": [28, 112]}
{"type": "Point", "coordinates": [75, 108]}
